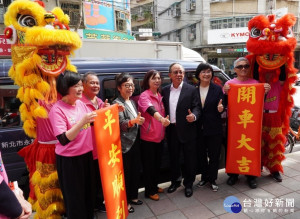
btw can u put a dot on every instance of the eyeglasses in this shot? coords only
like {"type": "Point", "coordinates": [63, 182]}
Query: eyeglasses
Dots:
{"type": "Point", "coordinates": [205, 72]}
{"type": "Point", "coordinates": [177, 72]}
{"type": "Point", "coordinates": [128, 85]}
{"type": "Point", "coordinates": [240, 67]}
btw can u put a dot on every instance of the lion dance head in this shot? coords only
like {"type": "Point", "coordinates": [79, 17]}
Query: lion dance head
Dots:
{"type": "Point", "coordinates": [271, 45]}
{"type": "Point", "coordinates": [41, 43]}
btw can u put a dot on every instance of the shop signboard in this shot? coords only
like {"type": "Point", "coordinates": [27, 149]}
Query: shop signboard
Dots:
{"type": "Point", "coordinates": [5, 49]}
{"type": "Point", "coordinates": [230, 35]}
{"type": "Point", "coordinates": [105, 35]}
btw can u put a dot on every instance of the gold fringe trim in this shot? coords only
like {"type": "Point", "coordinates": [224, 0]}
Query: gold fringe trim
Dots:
{"type": "Point", "coordinates": [272, 164]}
{"type": "Point", "coordinates": [55, 210]}
{"type": "Point", "coordinates": [272, 145]}
{"type": "Point", "coordinates": [48, 197]}
{"type": "Point", "coordinates": [271, 154]}
{"type": "Point", "coordinates": [51, 181]}
{"type": "Point", "coordinates": [272, 131]}
{"type": "Point", "coordinates": [32, 202]}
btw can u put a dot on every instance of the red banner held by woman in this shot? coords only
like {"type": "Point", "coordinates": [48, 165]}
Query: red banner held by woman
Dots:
{"type": "Point", "coordinates": [107, 134]}
{"type": "Point", "coordinates": [245, 109]}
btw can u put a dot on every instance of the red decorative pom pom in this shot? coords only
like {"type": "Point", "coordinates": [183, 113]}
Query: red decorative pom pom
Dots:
{"type": "Point", "coordinates": [8, 31]}
{"type": "Point", "coordinates": [40, 3]}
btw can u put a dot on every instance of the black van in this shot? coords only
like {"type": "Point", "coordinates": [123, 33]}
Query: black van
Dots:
{"type": "Point", "coordinates": [13, 138]}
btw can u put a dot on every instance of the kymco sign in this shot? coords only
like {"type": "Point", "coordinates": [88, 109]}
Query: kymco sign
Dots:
{"type": "Point", "coordinates": [230, 35]}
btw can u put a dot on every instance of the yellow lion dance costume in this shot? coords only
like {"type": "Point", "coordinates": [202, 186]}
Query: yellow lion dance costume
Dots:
{"type": "Point", "coordinates": [41, 43]}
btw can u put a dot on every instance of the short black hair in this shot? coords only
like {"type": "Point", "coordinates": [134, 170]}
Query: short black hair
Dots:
{"type": "Point", "coordinates": [203, 66]}
{"type": "Point", "coordinates": [121, 78]}
{"type": "Point", "coordinates": [150, 74]}
{"type": "Point", "coordinates": [67, 80]}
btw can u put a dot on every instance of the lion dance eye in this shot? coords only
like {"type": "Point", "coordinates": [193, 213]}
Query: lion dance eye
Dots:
{"type": "Point", "coordinates": [255, 32]}
{"type": "Point", "coordinates": [26, 21]}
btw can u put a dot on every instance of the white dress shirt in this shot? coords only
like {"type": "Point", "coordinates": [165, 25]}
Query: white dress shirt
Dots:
{"type": "Point", "coordinates": [203, 93]}
{"type": "Point", "coordinates": [173, 100]}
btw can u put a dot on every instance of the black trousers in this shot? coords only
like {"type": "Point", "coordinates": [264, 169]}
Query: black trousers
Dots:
{"type": "Point", "coordinates": [151, 160]}
{"type": "Point", "coordinates": [209, 155]}
{"type": "Point", "coordinates": [188, 149]}
{"type": "Point", "coordinates": [132, 166]}
{"type": "Point", "coordinates": [99, 198]}
{"type": "Point", "coordinates": [76, 179]}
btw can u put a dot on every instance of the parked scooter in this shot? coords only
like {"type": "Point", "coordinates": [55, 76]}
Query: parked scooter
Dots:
{"type": "Point", "coordinates": [293, 134]}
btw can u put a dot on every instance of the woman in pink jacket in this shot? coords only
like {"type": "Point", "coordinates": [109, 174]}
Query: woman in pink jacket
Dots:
{"type": "Point", "coordinates": [12, 202]}
{"type": "Point", "coordinates": [152, 131]}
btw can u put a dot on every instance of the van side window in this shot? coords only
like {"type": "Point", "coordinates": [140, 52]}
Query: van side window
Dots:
{"type": "Point", "coordinates": [111, 92]}
{"type": "Point", "coordinates": [218, 79]}
{"type": "Point", "coordinates": [9, 106]}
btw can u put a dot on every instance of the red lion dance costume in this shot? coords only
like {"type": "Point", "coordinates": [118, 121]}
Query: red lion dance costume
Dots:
{"type": "Point", "coordinates": [271, 47]}
{"type": "Point", "coordinates": [41, 43]}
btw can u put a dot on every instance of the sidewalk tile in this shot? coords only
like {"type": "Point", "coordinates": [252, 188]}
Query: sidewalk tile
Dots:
{"type": "Point", "coordinates": [291, 184]}
{"type": "Point", "coordinates": [197, 212]}
{"type": "Point", "coordinates": [162, 206]}
{"type": "Point", "coordinates": [290, 172]}
{"type": "Point", "coordinates": [295, 215]}
{"type": "Point", "coordinates": [173, 215]}
{"type": "Point", "coordinates": [277, 189]}
{"type": "Point", "coordinates": [216, 206]}
{"type": "Point", "coordinates": [182, 202]}
{"type": "Point", "coordinates": [240, 215]}
{"type": "Point", "coordinates": [258, 193]}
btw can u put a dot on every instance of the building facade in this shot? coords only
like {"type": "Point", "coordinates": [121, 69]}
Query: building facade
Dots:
{"type": "Point", "coordinates": [143, 19]}
{"type": "Point", "coordinates": [217, 29]}
{"type": "Point", "coordinates": [93, 19]}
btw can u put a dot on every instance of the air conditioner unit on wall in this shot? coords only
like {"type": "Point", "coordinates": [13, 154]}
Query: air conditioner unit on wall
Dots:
{"type": "Point", "coordinates": [121, 15]}
{"type": "Point", "coordinates": [191, 36]}
{"type": "Point", "coordinates": [192, 6]}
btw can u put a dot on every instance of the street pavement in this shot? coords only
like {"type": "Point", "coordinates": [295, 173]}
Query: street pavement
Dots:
{"type": "Point", "coordinates": [269, 200]}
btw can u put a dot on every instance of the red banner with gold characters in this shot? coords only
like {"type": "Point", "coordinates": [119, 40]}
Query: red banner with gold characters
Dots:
{"type": "Point", "coordinates": [245, 109]}
{"type": "Point", "coordinates": [107, 134]}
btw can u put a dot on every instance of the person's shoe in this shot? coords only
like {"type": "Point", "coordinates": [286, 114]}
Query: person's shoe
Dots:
{"type": "Point", "coordinates": [138, 202]}
{"type": "Point", "coordinates": [154, 197]}
{"type": "Point", "coordinates": [201, 183]}
{"type": "Point", "coordinates": [277, 176]}
{"type": "Point", "coordinates": [232, 180]}
{"type": "Point", "coordinates": [130, 209]}
{"type": "Point", "coordinates": [214, 186]}
{"type": "Point", "coordinates": [173, 187]}
{"type": "Point", "coordinates": [160, 190]}
{"type": "Point", "coordinates": [188, 192]}
{"type": "Point", "coordinates": [252, 183]}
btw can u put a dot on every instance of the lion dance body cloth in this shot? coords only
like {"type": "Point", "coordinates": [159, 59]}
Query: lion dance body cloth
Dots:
{"type": "Point", "coordinates": [271, 46]}
{"type": "Point", "coordinates": [41, 43]}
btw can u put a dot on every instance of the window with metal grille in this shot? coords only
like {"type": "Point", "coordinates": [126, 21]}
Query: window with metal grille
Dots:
{"type": "Point", "coordinates": [121, 25]}
{"type": "Point", "coordinates": [73, 10]}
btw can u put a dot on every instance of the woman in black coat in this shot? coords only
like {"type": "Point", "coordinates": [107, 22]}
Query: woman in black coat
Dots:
{"type": "Point", "coordinates": [209, 125]}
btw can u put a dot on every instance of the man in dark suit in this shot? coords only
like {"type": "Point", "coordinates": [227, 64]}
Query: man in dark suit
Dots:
{"type": "Point", "coordinates": [181, 102]}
